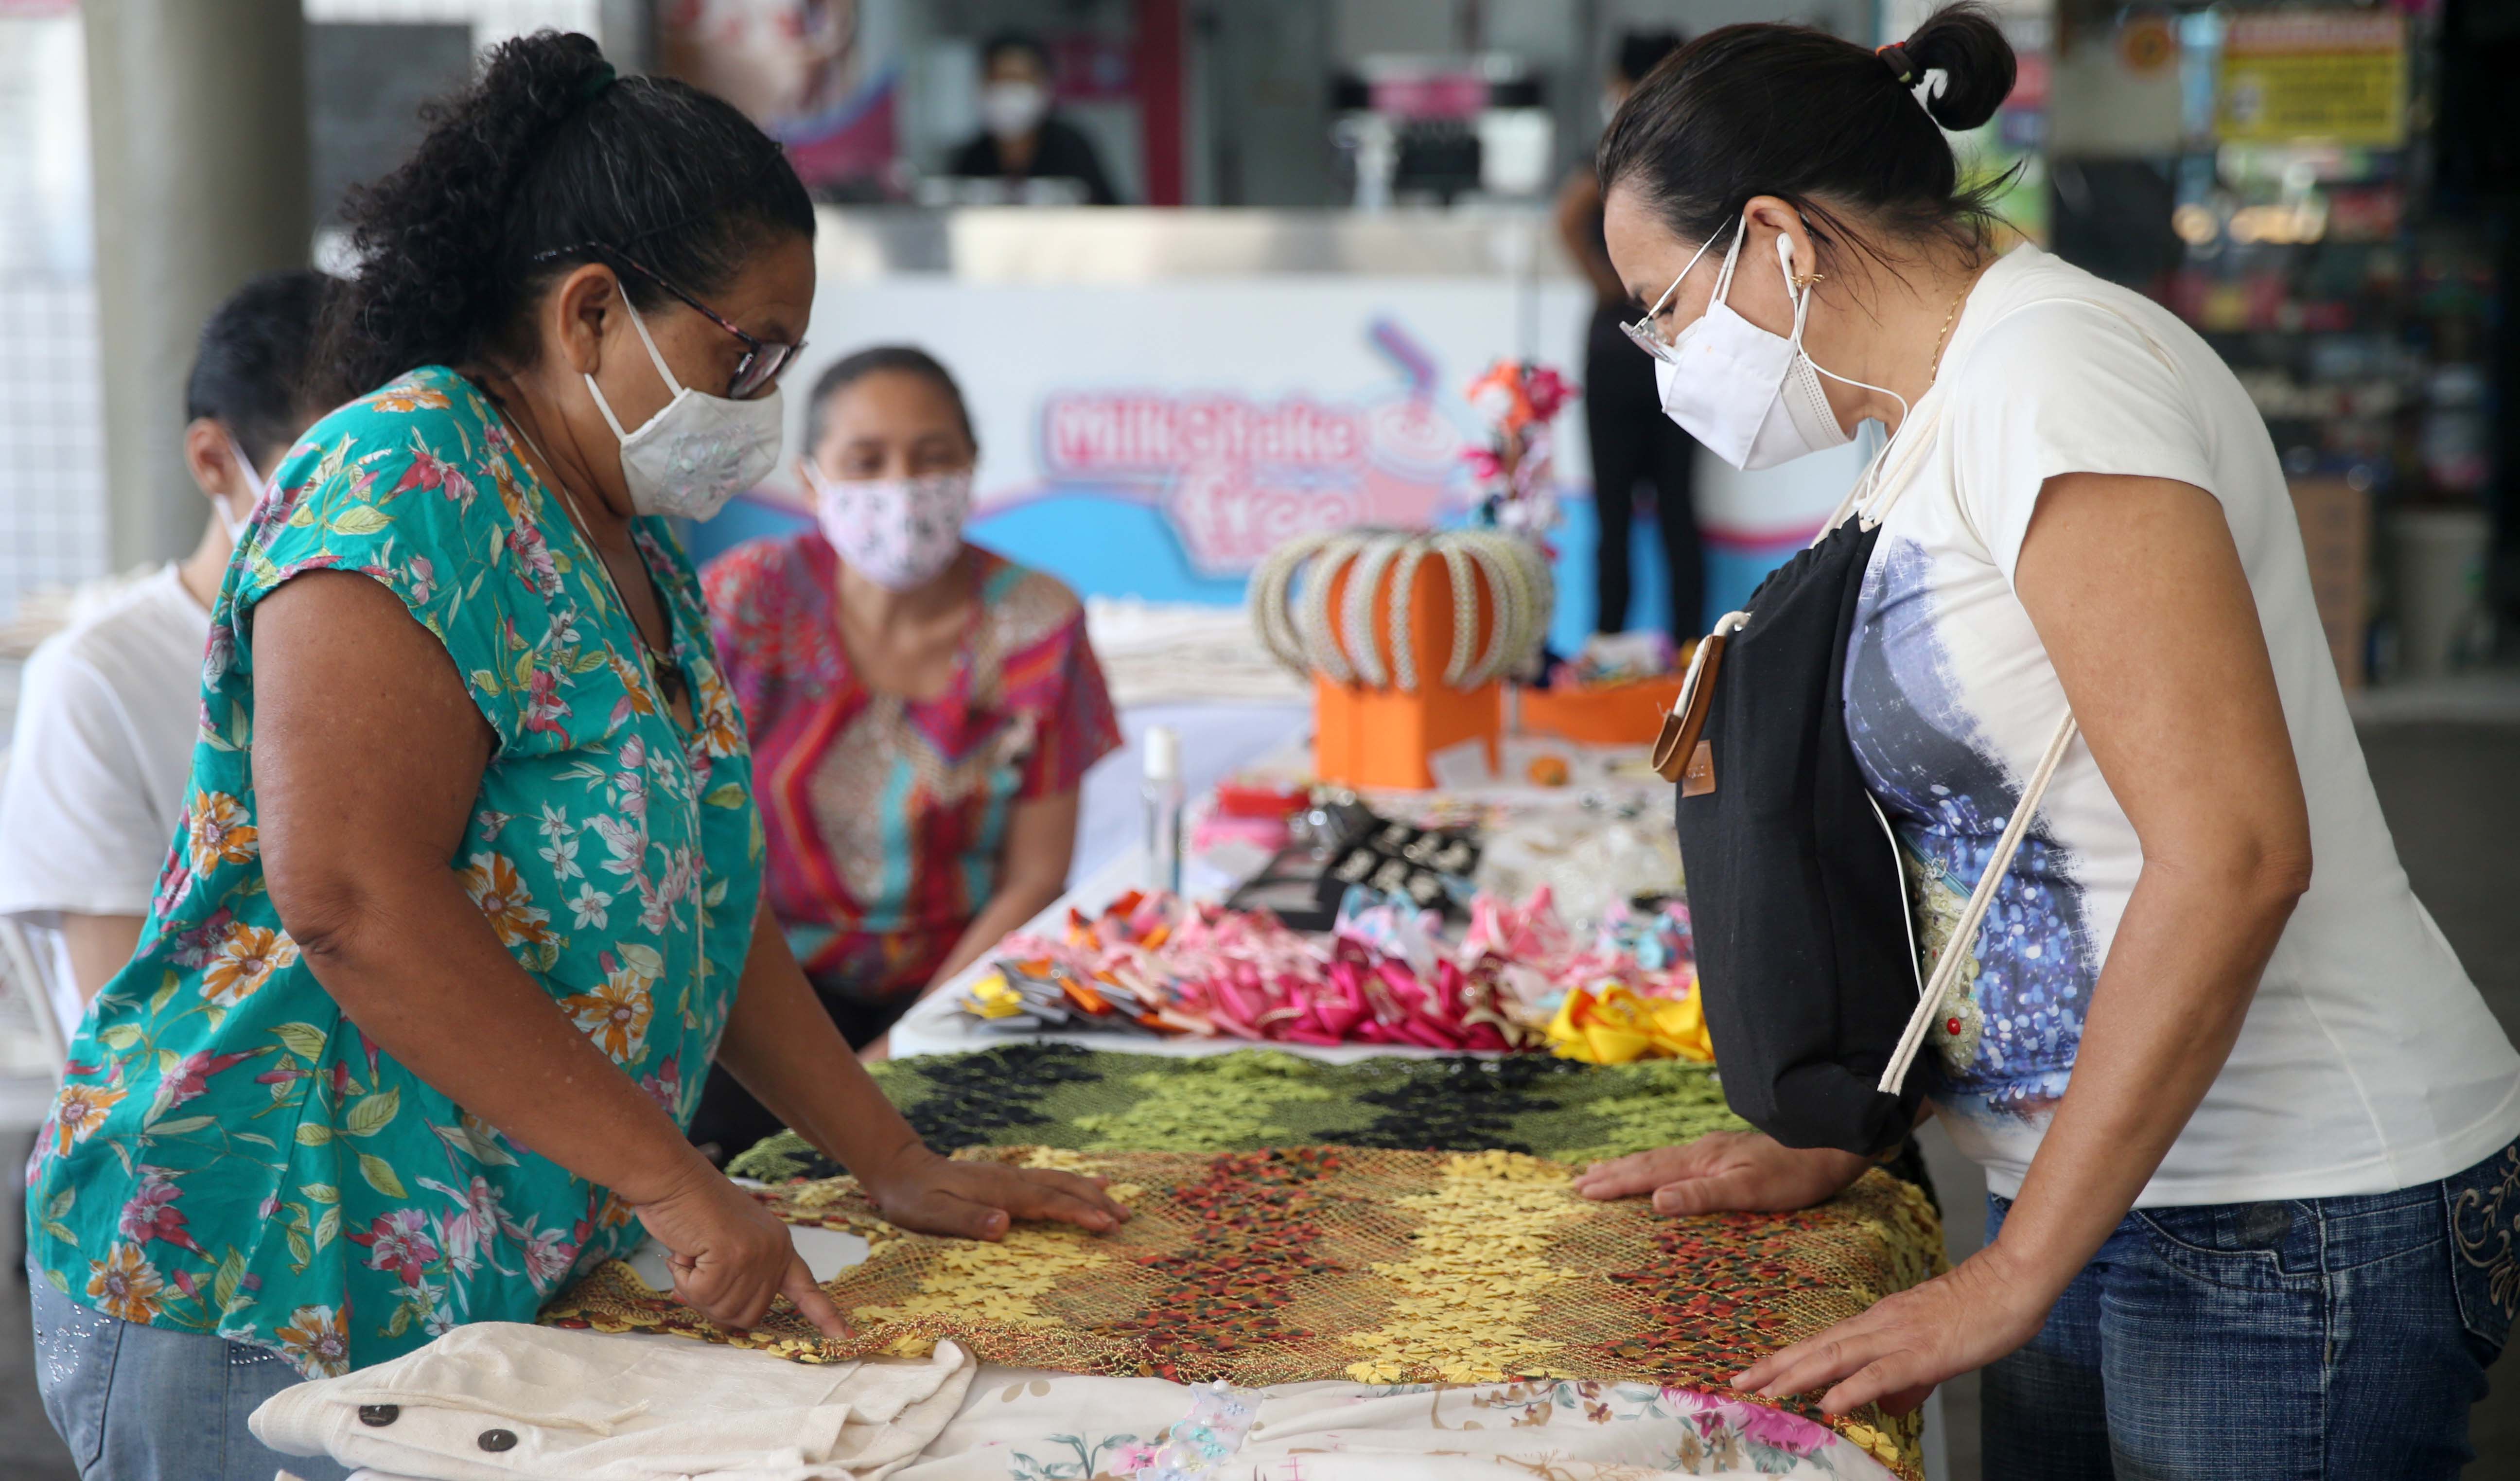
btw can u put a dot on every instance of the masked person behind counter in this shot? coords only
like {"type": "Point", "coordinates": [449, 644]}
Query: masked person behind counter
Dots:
{"type": "Point", "coordinates": [923, 711]}
{"type": "Point", "coordinates": [110, 707]}
{"type": "Point", "coordinates": [2248, 1126]}
{"type": "Point", "coordinates": [467, 895]}
{"type": "Point", "coordinates": [1020, 139]}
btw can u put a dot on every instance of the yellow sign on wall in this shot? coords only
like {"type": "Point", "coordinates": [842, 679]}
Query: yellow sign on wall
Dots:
{"type": "Point", "coordinates": [2315, 76]}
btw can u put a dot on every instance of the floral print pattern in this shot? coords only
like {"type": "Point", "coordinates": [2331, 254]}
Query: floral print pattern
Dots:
{"type": "Point", "coordinates": [313, 1340]}
{"type": "Point", "coordinates": [219, 832]}
{"type": "Point", "coordinates": [79, 1112]}
{"type": "Point", "coordinates": [616, 1014]}
{"type": "Point", "coordinates": [126, 1285]}
{"type": "Point", "coordinates": [245, 958]}
{"type": "Point", "coordinates": [1023, 1425]}
{"type": "Point", "coordinates": [229, 1154]}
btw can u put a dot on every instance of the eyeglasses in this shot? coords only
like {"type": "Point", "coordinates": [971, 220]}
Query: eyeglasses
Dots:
{"type": "Point", "coordinates": [763, 360]}
{"type": "Point", "coordinates": [1641, 331]}
{"type": "Point", "coordinates": [1642, 334]}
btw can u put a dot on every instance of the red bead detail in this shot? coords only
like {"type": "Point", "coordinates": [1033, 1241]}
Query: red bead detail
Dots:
{"type": "Point", "coordinates": [1951, 1025]}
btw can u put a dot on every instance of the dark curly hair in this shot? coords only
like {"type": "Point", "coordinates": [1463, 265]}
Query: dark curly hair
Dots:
{"type": "Point", "coordinates": [544, 160]}
{"type": "Point", "coordinates": [1787, 111]}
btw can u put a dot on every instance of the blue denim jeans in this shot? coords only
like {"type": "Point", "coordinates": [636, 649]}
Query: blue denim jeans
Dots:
{"type": "Point", "coordinates": [2325, 1339]}
{"type": "Point", "coordinates": [139, 1403]}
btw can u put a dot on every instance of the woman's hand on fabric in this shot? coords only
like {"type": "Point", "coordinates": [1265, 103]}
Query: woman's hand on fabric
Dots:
{"type": "Point", "coordinates": [1726, 1172]}
{"type": "Point", "coordinates": [978, 1200]}
{"type": "Point", "coordinates": [1894, 1354]}
{"type": "Point", "coordinates": [731, 1256]}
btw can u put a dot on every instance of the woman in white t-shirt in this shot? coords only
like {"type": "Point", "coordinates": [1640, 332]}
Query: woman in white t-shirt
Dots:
{"type": "Point", "coordinates": [111, 705]}
{"type": "Point", "coordinates": [2248, 1127]}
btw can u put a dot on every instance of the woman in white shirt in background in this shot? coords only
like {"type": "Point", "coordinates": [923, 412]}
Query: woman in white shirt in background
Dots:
{"type": "Point", "coordinates": [106, 709]}
{"type": "Point", "coordinates": [2248, 1126]}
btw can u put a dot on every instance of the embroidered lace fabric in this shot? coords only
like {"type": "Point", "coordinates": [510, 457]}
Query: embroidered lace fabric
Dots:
{"type": "Point", "coordinates": [1056, 1095]}
{"type": "Point", "coordinates": [1369, 1265]}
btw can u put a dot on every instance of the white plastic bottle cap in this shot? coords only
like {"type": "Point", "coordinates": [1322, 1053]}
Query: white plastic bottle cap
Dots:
{"type": "Point", "coordinates": [1163, 753]}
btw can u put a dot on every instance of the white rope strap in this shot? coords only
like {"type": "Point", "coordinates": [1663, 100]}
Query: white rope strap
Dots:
{"type": "Point", "coordinates": [1963, 939]}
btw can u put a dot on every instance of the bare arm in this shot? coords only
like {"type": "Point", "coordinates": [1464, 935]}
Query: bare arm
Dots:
{"type": "Point", "coordinates": [785, 1049]}
{"type": "Point", "coordinates": [1579, 200]}
{"type": "Point", "coordinates": [2138, 595]}
{"type": "Point", "coordinates": [100, 946]}
{"type": "Point", "coordinates": [1041, 840]}
{"type": "Point", "coordinates": [367, 760]}
{"type": "Point", "coordinates": [2181, 713]}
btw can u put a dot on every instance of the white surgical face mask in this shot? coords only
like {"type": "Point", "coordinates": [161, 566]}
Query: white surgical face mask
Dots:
{"type": "Point", "coordinates": [900, 533]}
{"type": "Point", "coordinates": [1752, 397]}
{"type": "Point", "coordinates": [700, 451]}
{"type": "Point", "coordinates": [1013, 110]}
{"type": "Point", "coordinates": [233, 523]}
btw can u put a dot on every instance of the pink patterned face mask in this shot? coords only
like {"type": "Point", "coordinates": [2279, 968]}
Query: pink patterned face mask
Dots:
{"type": "Point", "coordinates": [899, 533]}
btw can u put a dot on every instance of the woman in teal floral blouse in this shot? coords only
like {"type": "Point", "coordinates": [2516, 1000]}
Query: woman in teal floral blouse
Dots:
{"type": "Point", "coordinates": [466, 895]}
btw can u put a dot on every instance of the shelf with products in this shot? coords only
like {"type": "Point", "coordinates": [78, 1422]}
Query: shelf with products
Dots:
{"type": "Point", "coordinates": [2279, 177]}
{"type": "Point", "coordinates": [2356, 324]}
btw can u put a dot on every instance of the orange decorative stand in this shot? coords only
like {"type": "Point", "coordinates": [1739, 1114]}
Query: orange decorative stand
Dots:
{"type": "Point", "coordinates": [1382, 737]}
{"type": "Point", "coordinates": [1628, 713]}
{"type": "Point", "coordinates": [1410, 666]}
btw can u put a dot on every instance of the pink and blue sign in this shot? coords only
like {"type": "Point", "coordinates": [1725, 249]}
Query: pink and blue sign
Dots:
{"type": "Point", "coordinates": [1166, 468]}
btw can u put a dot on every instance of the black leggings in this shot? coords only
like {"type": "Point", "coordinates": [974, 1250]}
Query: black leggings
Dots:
{"type": "Point", "coordinates": [1633, 443]}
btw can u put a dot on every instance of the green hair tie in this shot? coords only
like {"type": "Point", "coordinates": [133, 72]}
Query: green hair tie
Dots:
{"type": "Point", "coordinates": [602, 78]}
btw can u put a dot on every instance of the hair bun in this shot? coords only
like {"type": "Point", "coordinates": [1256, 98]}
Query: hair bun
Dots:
{"type": "Point", "coordinates": [549, 74]}
{"type": "Point", "coordinates": [1964, 44]}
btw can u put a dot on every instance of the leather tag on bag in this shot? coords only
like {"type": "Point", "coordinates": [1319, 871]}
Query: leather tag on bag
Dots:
{"type": "Point", "coordinates": [1699, 779]}
{"type": "Point", "coordinates": [1678, 748]}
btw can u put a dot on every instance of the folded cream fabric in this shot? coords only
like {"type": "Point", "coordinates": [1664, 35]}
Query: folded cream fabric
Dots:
{"type": "Point", "coordinates": [500, 1401]}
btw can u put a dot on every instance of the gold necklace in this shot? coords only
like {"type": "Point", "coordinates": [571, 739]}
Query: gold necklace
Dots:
{"type": "Point", "coordinates": [1950, 319]}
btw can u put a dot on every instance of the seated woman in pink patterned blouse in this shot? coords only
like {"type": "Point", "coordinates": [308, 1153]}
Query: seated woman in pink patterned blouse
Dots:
{"type": "Point", "coordinates": [921, 710]}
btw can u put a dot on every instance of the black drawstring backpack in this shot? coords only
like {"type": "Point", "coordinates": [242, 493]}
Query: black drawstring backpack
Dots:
{"type": "Point", "coordinates": [1796, 897]}
{"type": "Point", "coordinates": [1807, 963]}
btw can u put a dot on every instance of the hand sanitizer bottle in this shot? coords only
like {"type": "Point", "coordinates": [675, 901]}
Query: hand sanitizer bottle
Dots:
{"type": "Point", "coordinates": [1163, 795]}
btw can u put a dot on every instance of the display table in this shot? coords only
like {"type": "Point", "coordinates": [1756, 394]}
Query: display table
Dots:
{"type": "Point", "coordinates": [1086, 1099]}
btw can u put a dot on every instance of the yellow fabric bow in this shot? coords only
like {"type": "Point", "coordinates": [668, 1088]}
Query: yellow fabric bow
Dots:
{"type": "Point", "coordinates": [992, 996]}
{"type": "Point", "coordinates": [1614, 1024]}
